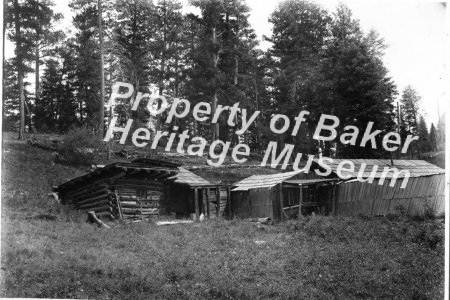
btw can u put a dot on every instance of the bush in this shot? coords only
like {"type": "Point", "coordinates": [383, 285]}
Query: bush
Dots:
{"type": "Point", "coordinates": [429, 237]}
{"type": "Point", "coordinates": [400, 210]}
{"type": "Point", "coordinates": [428, 211]}
{"type": "Point", "coordinates": [80, 147]}
{"type": "Point", "coordinates": [80, 137]}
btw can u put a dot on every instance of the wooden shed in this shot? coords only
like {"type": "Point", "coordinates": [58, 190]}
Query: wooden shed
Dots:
{"type": "Point", "coordinates": [281, 196]}
{"type": "Point", "coordinates": [144, 189]}
{"type": "Point", "coordinates": [424, 190]}
{"type": "Point", "coordinates": [211, 199]}
{"type": "Point", "coordinates": [260, 195]}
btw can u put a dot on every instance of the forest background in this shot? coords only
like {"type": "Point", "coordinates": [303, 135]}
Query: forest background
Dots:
{"type": "Point", "coordinates": [318, 59]}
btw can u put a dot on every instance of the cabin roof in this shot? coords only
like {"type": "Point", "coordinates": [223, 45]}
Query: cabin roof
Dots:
{"type": "Point", "coordinates": [416, 168]}
{"type": "Point", "coordinates": [115, 169]}
{"type": "Point", "coordinates": [309, 181]}
{"type": "Point", "coordinates": [263, 181]}
{"type": "Point", "coordinates": [164, 170]}
{"type": "Point", "coordinates": [188, 178]}
{"type": "Point", "coordinates": [157, 163]}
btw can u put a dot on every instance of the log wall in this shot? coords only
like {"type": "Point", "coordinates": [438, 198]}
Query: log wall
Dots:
{"type": "Point", "coordinates": [96, 197]}
{"type": "Point", "coordinates": [138, 199]}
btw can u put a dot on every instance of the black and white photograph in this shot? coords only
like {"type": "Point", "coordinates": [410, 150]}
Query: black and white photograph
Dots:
{"type": "Point", "coordinates": [225, 149]}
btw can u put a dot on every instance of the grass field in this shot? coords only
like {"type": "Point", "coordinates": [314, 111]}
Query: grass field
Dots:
{"type": "Point", "coordinates": [320, 258]}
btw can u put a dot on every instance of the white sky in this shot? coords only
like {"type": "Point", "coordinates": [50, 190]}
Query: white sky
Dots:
{"type": "Point", "coordinates": [414, 31]}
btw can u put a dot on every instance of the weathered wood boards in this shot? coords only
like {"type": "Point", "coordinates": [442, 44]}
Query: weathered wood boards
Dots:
{"type": "Point", "coordinates": [139, 191]}
{"type": "Point", "coordinates": [124, 199]}
{"type": "Point", "coordinates": [139, 199]}
{"type": "Point", "coordinates": [372, 199]}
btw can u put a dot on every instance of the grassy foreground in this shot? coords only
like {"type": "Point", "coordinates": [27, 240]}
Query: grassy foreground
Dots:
{"type": "Point", "coordinates": [320, 258]}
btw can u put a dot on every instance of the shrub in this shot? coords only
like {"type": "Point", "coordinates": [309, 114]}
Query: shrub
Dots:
{"type": "Point", "coordinates": [80, 137]}
{"type": "Point", "coordinates": [80, 147]}
{"type": "Point", "coordinates": [428, 237]}
{"type": "Point", "coordinates": [400, 210]}
{"type": "Point", "coordinates": [428, 211]}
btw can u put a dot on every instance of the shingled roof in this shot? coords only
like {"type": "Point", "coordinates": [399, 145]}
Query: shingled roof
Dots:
{"type": "Point", "coordinates": [188, 178]}
{"type": "Point", "coordinates": [112, 170]}
{"type": "Point", "coordinates": [416, 168]}
{"type": "Point", "coordinates": [263, 181]}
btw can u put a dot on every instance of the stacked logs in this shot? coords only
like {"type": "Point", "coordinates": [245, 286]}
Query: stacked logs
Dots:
{"type": "Point", "coordinates": [137, 201]}
{"type": "Point", "coordinates": [98, 198]}
{"type": "Point", "coordinates": [126, 200]}
{"type": "Point", "coordinates": [136, 208]}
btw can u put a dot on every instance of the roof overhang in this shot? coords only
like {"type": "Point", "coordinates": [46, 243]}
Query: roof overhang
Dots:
{"type": "Point", "coordinates": [307, 182]}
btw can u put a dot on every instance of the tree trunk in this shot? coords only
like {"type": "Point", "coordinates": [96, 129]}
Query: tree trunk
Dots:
{"type": "Point", "coordinates": [235, 82]}
{"type": "Point", "coordinates": [177, 83]}
{"type": "Point", "coordinates": [257, 109]}
{"type": "Point", "coordinates": [214, 101]}
{"type": "Point", "coordinates": [81, 110]}
{"type": "Point", "coordinates": [214, 126]}
{"type": "Point", "coordinates": [5, 13]}
{"type": "Point", "coordinates": [36, 75]}
{"type": "Point", "coordinates": [101, 113]}
{"type": "Point", "coordinates": [161, 75]}
{"type": "Point", "coordinates": [194, 127]}
{"type": "Point", "coordinates": [110, 115]}
{"type": "Point", "coordinates": [398, 127]}
{"type": "Point", "coordinates": [19, 71]}
{"type": "Point", "coordinates": [36, 61]}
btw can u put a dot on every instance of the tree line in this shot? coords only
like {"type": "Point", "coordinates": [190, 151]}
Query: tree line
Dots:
{"type": "Point", "coordinates": [319, 61]}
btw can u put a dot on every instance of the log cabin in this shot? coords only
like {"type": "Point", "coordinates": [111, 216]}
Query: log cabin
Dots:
{"type": "Point", "coordinates": [145, 189]}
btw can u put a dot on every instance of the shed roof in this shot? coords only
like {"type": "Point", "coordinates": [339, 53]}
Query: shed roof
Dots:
{"type": "Point", "coordinates": [156, 163]}
{"type": "Point", "coordinates": [263, 181]}
{"type": "Point", "coordinates": [114, 169]}
{"type": "Point", "coordinates": [308, 181]}
{"type": "Point", "coordinates": [188, 178]}
{"type": "Point", "coordinates": [416, 168]}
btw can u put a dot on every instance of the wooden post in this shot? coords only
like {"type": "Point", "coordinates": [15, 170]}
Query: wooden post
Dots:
{"type": "Point", "coordinates": [119, 205]}
{"type": "Point", "coordinates": [196, 204]}
{"type": "Point", "coordinates": [300, 202]}
{"type": "Point", "coordinates": [334, 198]}
{"type": "Point", "coordinates": [218, 201]}
{"type": "Point", "coordinates": [207, 202]}
{"type": "Point", "coordinates": [140, 208]}
{"type": "Point", "coordinates": [93, 219]}
{"type": "Point", "coordinates": [229, 201]}
{"type": "Point", "coordinates": [281, 201]}
{"type": "Point", "coordinates": [290, 204]}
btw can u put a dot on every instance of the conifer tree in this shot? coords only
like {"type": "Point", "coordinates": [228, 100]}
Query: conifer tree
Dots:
{"type": "Point", "coordinates": [433, 138]}
{"type": "Point", "coordinates": [424, 139]}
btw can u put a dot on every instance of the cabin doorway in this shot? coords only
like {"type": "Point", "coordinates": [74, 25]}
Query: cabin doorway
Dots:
{"type": "Point", "coordinates": [202, 206]}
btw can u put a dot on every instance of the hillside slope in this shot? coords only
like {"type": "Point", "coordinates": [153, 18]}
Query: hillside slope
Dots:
{"type": "Point", "coordinates": [49, 251]}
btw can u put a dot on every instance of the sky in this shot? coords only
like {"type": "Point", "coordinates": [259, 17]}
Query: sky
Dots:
{"type": "Point", "coordinates": [415, 32]}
